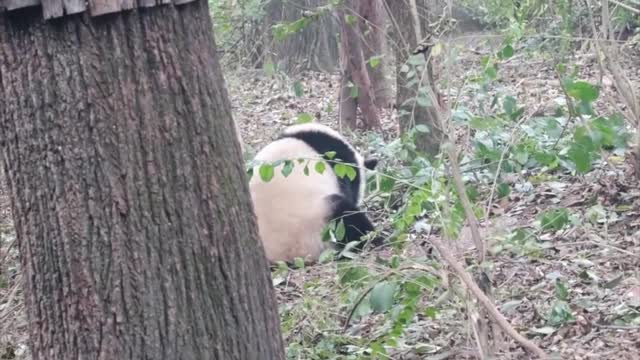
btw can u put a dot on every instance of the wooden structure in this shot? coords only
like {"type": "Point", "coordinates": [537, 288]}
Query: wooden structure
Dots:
{"type": "Point", "coordinates": [52, 9]}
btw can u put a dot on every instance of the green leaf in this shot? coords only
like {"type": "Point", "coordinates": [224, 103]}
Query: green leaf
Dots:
{"type": "Point", "coordinates": [351, 19]}
{"type": "Point", "coordinates": [484, 123]}
{"type": "Point", "coordinates": [582, 150]}
{"type": "Point", "coordinates": [509, 105]}
{"type": "Point", "coordinates": [354, 91]}
{"type": "Point", "coordinates": [298, 89]}
{"type": "Point", "coordinates": [472, 193]}
{"type": "Point", "coordinates": [503, 190]}
{"type": "Point", "coordinates": [584, 108]}
{"type": "Point", "coordinates": [611, 132]}
{"type": "Point", "coordinates": [561, 290]}
{"type": "Point", "coordinates": [329, 108]}
{"type": "Point", "coordinates": [554, 219]}
{"type": "Point", "coordinates": [560, 314]}
{"type": "Point", "coordinates": [547, 159]}
{"type": "Point", "coordinates": [484, 60]}
{"type": "Point", "coordinates": [386, 184]}
{"type": "Point", "coordinates": [582, 160]}
{"type": "Point", "coordinates": [491, 72]}
{"type": "Point", "coordinates": [431, 312]}
{"type": "Point", "coordinates": [330, 154]}
{"type": "Point", "coordinates": [426, 282]}
{"type": "Point", "coordinates": [269, 68]}
{"type": "Point", "coordinates": [582, 90]}
{"type": "Point", "coordinates": [280, 31]}
{"type": "Point", "coordinates": [298, 25]}
{"type": "Point", "coordinates": [351, 172]}
{"type": "Point", "coordinates": [378, 349]}
{"type": "Point", "coordinates": [352, 274]}
{"type": "Point", "coordinates": [326, 256]}
{"type": "Point", "coordinates": [437, 49]}
{"type": "Point", "coordinates": [320, 167]}
{"type": "Point", "coordinates": [422, 128]}
{"type": "Point", "coordinates": [298, 262]}
{"type": "Point", "coordinates": [340, 169]}
{"type": "Point", "coordinates": [374, 61]}
{"type": "Point", "coordinates": [517, 114]}
{"type": "Point", "coordinates": [395, 262]}
{"type": "Point", "coordinates": [521, 156]}
{"type": "Point", "coordinates": [304, 118]}
{"type": "Point", "coordinates": [287, 168]}
{"type": "Point", "coordinates": [487, 153]}
{"type": "Point", "coordinates": [282, 267]}
{"type": "Point", "coordinates": [266, 172]}
{"type": "Point", "coordinates": [382, 296]}
{"type": "Point", "coordinates": [506, 52]}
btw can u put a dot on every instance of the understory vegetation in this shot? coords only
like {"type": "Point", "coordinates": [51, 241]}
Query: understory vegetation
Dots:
{"type": "Point", "coordinates": [544, 141]}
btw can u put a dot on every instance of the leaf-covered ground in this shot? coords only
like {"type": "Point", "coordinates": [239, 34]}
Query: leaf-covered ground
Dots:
{"type": "Point", "coordinates": [596, 260]}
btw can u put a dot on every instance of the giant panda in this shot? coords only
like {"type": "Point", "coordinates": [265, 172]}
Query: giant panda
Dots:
{"type": "Point", "coordinates": [292, 211]}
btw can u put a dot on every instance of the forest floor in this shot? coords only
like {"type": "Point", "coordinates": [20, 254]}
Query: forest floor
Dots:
{"type": "Point", "coordinates": [599, 263]}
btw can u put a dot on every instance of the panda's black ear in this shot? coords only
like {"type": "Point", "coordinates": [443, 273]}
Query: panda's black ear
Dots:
{"type": "Point", "coordinates": [370, 163]}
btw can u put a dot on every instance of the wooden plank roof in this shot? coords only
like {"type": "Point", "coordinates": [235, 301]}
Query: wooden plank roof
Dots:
{"type": "Point", "coordinates": [58, 8]}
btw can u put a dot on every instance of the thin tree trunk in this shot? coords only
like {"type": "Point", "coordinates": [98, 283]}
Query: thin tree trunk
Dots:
{"type": "Point", "coordinates": [348, 104]}
{"type": "Point", "coordinates": [408, 34]}
{"type": "Point", "coordinates": [130, 202]}
{"type": "Point", "coordinates": [354, 72]}
{"type": "Point", "coordinates": [315, 47]}
{"type": "Point", "coordinates": [372, 27]}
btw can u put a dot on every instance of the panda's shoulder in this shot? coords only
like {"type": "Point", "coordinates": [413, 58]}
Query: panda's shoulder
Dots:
{"type": "Point", "coordinates": [322, 139]}
{"type": "Point", "coordinates": [316, 130]}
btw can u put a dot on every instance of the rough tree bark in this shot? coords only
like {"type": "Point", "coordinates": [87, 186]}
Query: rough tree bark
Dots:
{"type": "Point", "coordinates": [409, 28]}
{"type": "Point", "coordinates": [129, 197]}
{"type": "Point", "coordinates": [354, 74]}
{"type": "Point", "coordinates": [372, 27]}
{"type": "Point", "coordinates": [315, 47]}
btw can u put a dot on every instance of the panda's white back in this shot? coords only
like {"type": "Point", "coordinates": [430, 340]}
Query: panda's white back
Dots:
{"type": "Point", "coordinates": [291, 210]}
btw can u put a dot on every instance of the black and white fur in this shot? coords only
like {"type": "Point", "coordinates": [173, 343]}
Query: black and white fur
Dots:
{"type": "Point", "coordinates": [292, 211]}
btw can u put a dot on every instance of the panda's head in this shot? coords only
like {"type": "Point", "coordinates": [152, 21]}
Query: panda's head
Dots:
{"type": "Point", "coordinates": [323, 139]}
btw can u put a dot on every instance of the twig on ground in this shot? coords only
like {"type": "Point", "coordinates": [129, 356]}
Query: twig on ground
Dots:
{"type": "Point", "coordinates": [466, 204]}
{"type": "Point", "coordinates": [484, 300]}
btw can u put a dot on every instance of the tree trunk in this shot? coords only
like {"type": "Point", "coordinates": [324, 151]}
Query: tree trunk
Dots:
{"type": "Point", "coordinates": [408, 33]}
{"type": "Point", "coordinates": [130, 200]}
{"type": "Point", "coordinates": [315, 47]}
{"type": "Point", "coordinates": [356, 89]}
{"type": "Point", "coordinates": [372, 27]}
{"type": "Point", "coordinates": [636, 162]}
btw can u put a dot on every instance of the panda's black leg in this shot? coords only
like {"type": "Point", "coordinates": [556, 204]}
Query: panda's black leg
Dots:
{"type": "Point", "coordinates": [356, 223]}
